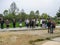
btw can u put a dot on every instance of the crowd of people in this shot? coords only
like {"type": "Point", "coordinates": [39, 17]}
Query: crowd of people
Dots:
{"type": "Point", "coordinates": [32, 23]}
{"type": "Point", "coordinates": [28, 23]}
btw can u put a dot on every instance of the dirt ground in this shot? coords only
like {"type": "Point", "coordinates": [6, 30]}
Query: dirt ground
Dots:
{"type": "Point", "coordinates": [23, 37]}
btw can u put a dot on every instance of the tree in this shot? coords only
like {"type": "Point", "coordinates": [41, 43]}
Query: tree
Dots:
{"type": "Point", "coordinates": [32, 14]}
{"type": "Point", "coordinates": [58, 13]}
{"type": "Point", "coordinates": [37, 14]}
{"type": "Point", "coordinates": [1, 15]}
{"type": "Point", "coordinates": [44, 15]}
{"type": "Point", "coordinates": [13, 8]}
{"type": "Point", "coordinates": [5, 12]}
{"type": "Point", "coordinates": [23, 14]}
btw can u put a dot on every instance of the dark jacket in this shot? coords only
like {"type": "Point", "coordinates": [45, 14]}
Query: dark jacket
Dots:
{"type": "Point", "coordinates": [49, 24]}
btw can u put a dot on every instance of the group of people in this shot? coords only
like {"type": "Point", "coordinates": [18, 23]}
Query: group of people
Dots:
{"type": "Point", "coordinates": [30, 23]}
{"type": "Point", "coordinates": [51, 26]}
{"type": "Point", "coordinates": [6, 22]}
{"type": "Point", "coordinates": [36, 22]}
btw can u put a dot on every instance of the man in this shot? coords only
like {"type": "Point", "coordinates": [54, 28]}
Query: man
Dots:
{"type": "Point", "coordinates": [49, 25]}
{"type": "Point", "coordinates": [41, 22]}
{"type": "Point", "coordinates": [33, 23]}
{"type": "Point", "coordinates": [27, 22]}
{"type": "Point", "coordinates": [2, 23]}
{"type": "Point", "coordinates": [14, 23]}
{"type": "Point", "coordinates": [30, 23]}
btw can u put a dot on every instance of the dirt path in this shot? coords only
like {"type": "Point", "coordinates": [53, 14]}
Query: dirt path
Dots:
{"type": "Point", "coordinates": [51, 43]}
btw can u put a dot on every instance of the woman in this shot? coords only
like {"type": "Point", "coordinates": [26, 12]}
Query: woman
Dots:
{"type": "Point", "coordinates": [14, 23]}
{"type": "Point", "coordinates": [7, 23]}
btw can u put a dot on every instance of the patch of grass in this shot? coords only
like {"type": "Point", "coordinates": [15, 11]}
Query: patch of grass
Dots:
{"type": "Point", "coordinates": [1, 41]}
{"type": "Point", "coordinates": [39, 40]}
{"type": "Point", "coordinates": [31, 42]}
{"type": "Point", "coordinates": [48, 38]}
{"type": "Point", "coordinates": [17, 24]}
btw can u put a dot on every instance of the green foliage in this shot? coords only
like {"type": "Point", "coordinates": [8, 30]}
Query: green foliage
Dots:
{"type": "Point", "coordinates": [9, 16]}
{"type": "Point", "coordinates": [5, 12]}
{"type": "Point", "coordinates": [58, 14]}
{"type": "Point", "coordinates": [39, 40]}
{"type": "Point", "coordinates": [12, 13]}
{"type": "Point", "coordinates": [44, 15]}
{"type": "Point", "coordinates": [32, 15]}
{"type": "Point", "coordinates": [1, 15]}
{"type": "Point", "coordinates": [13, 7]}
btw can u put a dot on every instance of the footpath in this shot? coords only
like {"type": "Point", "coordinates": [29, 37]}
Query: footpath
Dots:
{"type": "Point", "coordinates": [55, 41]}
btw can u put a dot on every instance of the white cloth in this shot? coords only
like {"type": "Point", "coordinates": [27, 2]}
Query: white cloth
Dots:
{"type": "Point", "coordinates": [27, 21]}
{"type": "Point", "coordinates": [20, 24]}
{"type": "Point", "coordinates": [37, 22]}
{"type": "Point", "coordinates": [40, 21]}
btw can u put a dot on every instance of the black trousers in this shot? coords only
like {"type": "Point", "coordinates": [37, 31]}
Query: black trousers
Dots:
{"type": "Point", "coordinates": [7, 26]}
{"type": "Point", "coordinates": [27, 25]}
{"type": "Point", "coordinates": [50, 29]}
{"type": "Point", "coordinates": [2, 26]}
{"type": "Point", "coordinates": [14, 25]}
{"type": "Point", "coordinates": [41, 25]}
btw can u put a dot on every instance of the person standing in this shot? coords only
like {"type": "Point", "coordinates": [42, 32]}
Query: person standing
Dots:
{"type": "Point", "coordinates": [37, 22]}
{"type": "Point", "coordinates": [27, 22]}
{"type": "Point", "coordinates": [30, 23]}
{"type": "Point", "coordinates": [7, 23]}
{"type": "Point", "coordinates": [33, 23]}
{"type": "Point", "coordinates": [2, 23]}
{"type": "Point", "coordinates": [49, 25]}
{"type": "Point", "coordinates": [14, 23]}
{"type": "Point", "coordinates": [52, 26]}
{"type": "Point", "coordinates": [41, 22]}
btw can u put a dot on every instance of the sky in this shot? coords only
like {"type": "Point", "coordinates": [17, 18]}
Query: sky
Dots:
{"type": "Point", "coordinates": [44, 6]}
